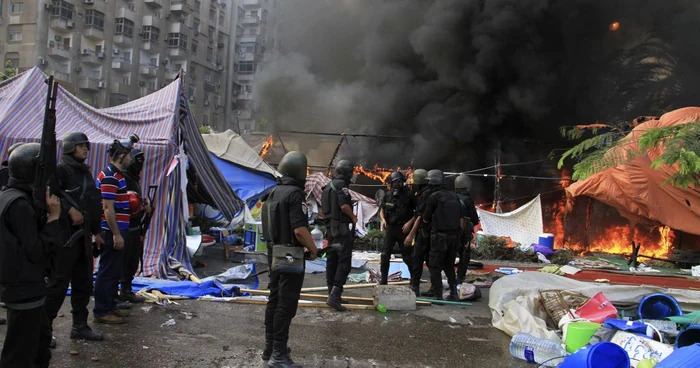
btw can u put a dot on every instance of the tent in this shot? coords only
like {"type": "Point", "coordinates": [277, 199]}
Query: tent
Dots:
{"type": "Point", "coordinates": [170, 140]}
{"type": "Point", "coordinates": [638, 192]}
{"type": "Point", "coordinates": [247, 174]}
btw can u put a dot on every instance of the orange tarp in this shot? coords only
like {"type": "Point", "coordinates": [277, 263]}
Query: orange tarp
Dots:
{"type": "Point", "coordinates": [637, 191]}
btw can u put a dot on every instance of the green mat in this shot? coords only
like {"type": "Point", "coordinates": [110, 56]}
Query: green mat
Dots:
{"type": "Point", "coordinates": [686, 319]}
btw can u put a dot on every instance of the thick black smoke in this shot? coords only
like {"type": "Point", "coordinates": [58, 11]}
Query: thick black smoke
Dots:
{"type": "Point", "coordinates": [461, 77]}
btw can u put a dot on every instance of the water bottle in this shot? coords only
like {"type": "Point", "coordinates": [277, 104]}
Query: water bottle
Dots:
{"type": "Point", "coordinates": [535, 350]}
{"type": "Point", "coordinates": [317, 236]}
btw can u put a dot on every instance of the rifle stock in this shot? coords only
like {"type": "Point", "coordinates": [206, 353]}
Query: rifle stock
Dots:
{"type": "Point", "coordinates": [152, 190]}
{"type": "Point", "coordinates": [46, 167]}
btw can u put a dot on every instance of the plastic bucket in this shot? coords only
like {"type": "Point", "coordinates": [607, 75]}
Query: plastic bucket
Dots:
{"type": "Point", "coordinates": [658, 306]}
{"type": "Point", "coordinates": [686, 357]}
{"type": "Point", "coordinates": [578, 334]}
{"type": "Point", "coordinates": [597, 309]}
{"type": "Point", "coordinates": [546, 240]}
{"type": "Point", "coordinates": [688, 336]}
{"type": "Point", "coordinates": [601, 355]}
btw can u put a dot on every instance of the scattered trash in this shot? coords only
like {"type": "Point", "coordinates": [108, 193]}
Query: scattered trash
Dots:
{"type": "Point", "coordinates": [381, 308]}
{"type": "Point", "coordinates": [145, 347]}
{"type": "Point", "coordinates": [695, 271]}
{"type": "Point", "coordinates": [453, 320]}
{"type": "Point", "coordinates": [61, 315]}
{"type": "Point", "coordinates": [95, 359]}
{"type": "Point", "coordinates": [188, 315]}
{"type": "Point", "coordinates": [359, 277]}
{"type": "Point", "coordinates": [147, 308]}
{"type": "Point", "coordinates": [603, 354]}
{"type": "Point", "coordinates": [569, 270]}
{"type": "Point", "coordinates": [74, 352]}
{"type": "Point", "coordinates": [597, 309]}
{"type": "Point", "coordinates": [658, 306]}
{"type": "Point", "coordinates": [508, 270]}
{"type": "Point", "coordinates": [534, 350]}
{"type": "Point", "coordinates": [170, 322]}
{"type": "Point", "coordinates": [553, 269]}
{"type": "Point", "coordinates": [543, 258]}
{"type": "Point", "coordinates": [640, 347]}
{"type": "Point", "coordinates": [605, 281]}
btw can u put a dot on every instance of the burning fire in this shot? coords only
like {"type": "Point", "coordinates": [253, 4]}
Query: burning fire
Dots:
{"type": "Point", "coordinates": [266, 146]}
{"type": "Point", "coordinates": [376, 173]}
{"type": "Point", "coordinates": [614, 26]}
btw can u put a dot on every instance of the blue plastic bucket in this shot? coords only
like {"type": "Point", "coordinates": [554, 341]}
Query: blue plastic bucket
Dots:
{"type": "Point", "coordinates": [658, 306]}
{"type": "Point", "coordinates": [600, 355]}
{"type": "Point", "coordinates": [687, 357]}
{"type": "Point", "coordinates": [546, 240]}
{"type": "Point", "coordinates": [688, 336]}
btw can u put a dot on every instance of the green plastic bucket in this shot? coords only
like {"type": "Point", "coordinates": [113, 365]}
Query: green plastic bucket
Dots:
{"type": "Point", "coordinates": [578, 334]}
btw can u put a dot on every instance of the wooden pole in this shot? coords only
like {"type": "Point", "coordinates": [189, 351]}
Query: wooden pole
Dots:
{"type": "Point", "coordinates": [355, 286]}
{"type": "Point", "coordinates": [302, 303]}
{"type": "Point", "coordinates": [449, 302]}
{"type": "Point", "coordinates": [320, 296]}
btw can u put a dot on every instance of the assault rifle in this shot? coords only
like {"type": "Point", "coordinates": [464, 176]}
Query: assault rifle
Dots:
{"type": "Point", "coordinates": [46, 167]}
{"type": "Point", "coordinates": [152, 190]}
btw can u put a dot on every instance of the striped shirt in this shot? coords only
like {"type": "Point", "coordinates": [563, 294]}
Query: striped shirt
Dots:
{"type": "Point", "coordinates": [112, 185]}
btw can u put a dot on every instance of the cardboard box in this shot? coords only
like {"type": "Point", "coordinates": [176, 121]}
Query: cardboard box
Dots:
{"type": "Point", "coordinates": [640, 348]}
{"type": "Point", "coordinates": [253, 234]}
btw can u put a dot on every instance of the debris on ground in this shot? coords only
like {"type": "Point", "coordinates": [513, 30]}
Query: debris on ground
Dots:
{"type": "Point", "coordinates": [170, 322]}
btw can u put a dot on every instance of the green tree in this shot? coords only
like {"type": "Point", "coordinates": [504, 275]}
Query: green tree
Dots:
{"type": "Point", "coordinates": [205, 129]}
{"type": "Point", "coordinates": [9, 71]}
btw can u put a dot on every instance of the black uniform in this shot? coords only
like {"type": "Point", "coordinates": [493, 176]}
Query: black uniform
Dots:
{"type": "Point", "coordinates": [73, 264]}
{"type": "Point", "coordinates": [24, 253]}
{"type": "Point", "coordinates": [421, 247]}
{"type": "Point", "coordinates": [470, 214]}
{"type": "Point", "coordinates": [399, 206]}
{"type": "Point", "coordinates": [134, 245]}
{"type": "Point", "coordinates": [444, 212]}
{"type": "Point", "coordinates": [285, 205]}
{"type": "Point", "coordinates": [335, 195]}
{"type": "Point", "coordinates": [4, 176]}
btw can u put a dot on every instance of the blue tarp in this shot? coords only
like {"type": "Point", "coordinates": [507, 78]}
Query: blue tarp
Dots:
{"type": "Point", "coordinates": [247, 183]}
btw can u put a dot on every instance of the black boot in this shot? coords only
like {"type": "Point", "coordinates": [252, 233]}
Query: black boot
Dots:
{"type": "Point", "coordinates": [384, 270]}
{"type": "Point", "coordinates": [416, 290]}
{"type": "Point", "coordinates": [81, 330]}
{"type": "Point", "coordinates": [334, 299]}
{"type": "Point", "coordinates": [280, 357]}
{"type": "Point", "coordinates": [453, 294]}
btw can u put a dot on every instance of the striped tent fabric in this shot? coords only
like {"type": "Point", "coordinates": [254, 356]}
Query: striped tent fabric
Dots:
{"type": "Point", "coordinates": [314, 187]}
{"type": "Point", "coordinates": [161, 122]}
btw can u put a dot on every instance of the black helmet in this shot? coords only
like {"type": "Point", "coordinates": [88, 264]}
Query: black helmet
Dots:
{"type": "Point", "coordinates": [294, 165]}
{"type": "Point", "coordinates": [463, 182]}
{"type": "Point", "coordinates": [420, 177]}
{"type": "Point", "coordinates": [9, 151]}
{"type": "Point", "coordinates": [436, 177]}
{"type": "Point", "coordinates": [344, 168]}
{"type": "Point", "coordinates": [137, 160]}
{"type": "Point", "coordinates": [72, 139]}
{"type": "Point", "coordinates": [23, 161]}
{"type": "Point", "coordinates": [122, 147]}
{"type": "Point", "coordinates": [396, 176]}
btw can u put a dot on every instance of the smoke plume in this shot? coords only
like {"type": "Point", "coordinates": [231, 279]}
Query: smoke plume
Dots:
{"type": "Point", "coordinates": [461, 77]}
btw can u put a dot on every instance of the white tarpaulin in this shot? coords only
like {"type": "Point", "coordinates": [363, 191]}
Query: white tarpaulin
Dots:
{"type": "Point", "coordinates": [515, 305]}
{"type": "Point", "coordinates": [524, 225]}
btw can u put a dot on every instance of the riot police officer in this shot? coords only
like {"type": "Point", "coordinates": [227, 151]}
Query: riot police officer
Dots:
{"type": "Point", "coordinates": [337, 210]}
{"type": "Point", "coordinates": [133, 251]}
{"type": "Point", "coordinates": [444, 214]}
{"type": "Point", "coordinates": [285, 224]}
{"type": "Point", "coordinates": [5, 171]}
{"type": "Point", "coordinates": [396, 213]}
{"type": "Point", "coordinates": [420, 231]}
{"type": "Point", "coordinates": [27, 240]}
{"type": "Point", "coordinates": [471, 218]}
{"type": "Point", "coordinates": [72, 264]}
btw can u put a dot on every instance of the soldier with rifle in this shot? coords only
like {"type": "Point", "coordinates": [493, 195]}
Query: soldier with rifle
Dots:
{"type": "Point", "coordinates": [73, 263]}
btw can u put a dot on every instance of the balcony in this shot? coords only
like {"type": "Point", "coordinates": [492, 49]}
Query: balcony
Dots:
{"type": "Point", "coordinates": [59, 51]}
{"type": "Point", "coordinates": [179, 7]}
{"type": "Point", "coordinates": [121, 64]}
{"type": "Point", "coordinates": [123, 41]}
{"type": "Point", "coordinates": [244, 96]}
{"type": "Point", "coordinates": [61, 24]}
{"type": "Point", "coordinates": [251, 3]}
{"type": "Point", "coordinates": [88, 56]}
{"type": "Point", "coordinates": [156, 4]}
{"type": "Point", "coordinates": [150, 20]}
{"type": "Point", "coordinates": [251, 20]}
{"type": "Point", "coordinates": [211, 85]}
{"type": "Point", "coordinates": [179, 28]}
{"type": "Point", "coordinates": [148, 70]}
{"type": "Point", "coordinates": [248, 56]}
{"type": "Point", "coordinates": [170, 74]}
{"type": "Point", "coordinates": [61, 76]}
{"type": "Point", "coordinates": [177, 53]}
{"type": "Point", "coordinates": [246, 77]}
{"type": "Point", "coordinates": [89, 84]}
{"type": "Point", "coordinates": [93, 33]}
{"type": "Point", "coordinates": [150, 46]}
{"type": "Point", "coordinates": [145, 91]}
{"type": "Point", "coordinates": [126, 13]}
{"type": "Point", "coordinates": [245, 114]}
{"type": "Point", "coordinates": [248, 38]}
{"type": "Point", "coordinates": [120, 88]}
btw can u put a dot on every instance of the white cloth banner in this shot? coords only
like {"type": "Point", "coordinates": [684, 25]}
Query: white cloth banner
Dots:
{"type": "Point", "coordinates": [524, 225]}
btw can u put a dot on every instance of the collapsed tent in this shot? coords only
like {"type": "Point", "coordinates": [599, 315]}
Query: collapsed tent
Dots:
{"type": "Point", "coordinates": [170, 141]}
{"type": "Point", "coordinates": [637, 191]}
{"type": "Point", "coordinates": [364, 209]}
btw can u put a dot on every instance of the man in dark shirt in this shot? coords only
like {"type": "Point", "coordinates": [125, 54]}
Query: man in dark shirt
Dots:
{"type": "Point", "coordinates": [396, 213]}
{"type": "Point", "coordinates": [285, 224]}
{"type": "Point", "coordinates": [25, 249]}
{"type": "Point", "coordinates": [4, 171]}
{"type": "Point", "coordinates": [336, 204]}
{"type": "Point", "coordinates": [419, 236]}
{"type": "Point", "coordinates": [462, 186]}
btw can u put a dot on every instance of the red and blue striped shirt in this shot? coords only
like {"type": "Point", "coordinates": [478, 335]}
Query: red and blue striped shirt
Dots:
{"type": "Point", "coordinates": [112, 185]}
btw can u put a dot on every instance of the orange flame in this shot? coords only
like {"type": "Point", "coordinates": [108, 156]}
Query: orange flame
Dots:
{"type": "Point", "coordinates": [266, 146]}
{"type": "Point", "coordinates": [565, 181]}
{"type": "Point", "coordinates": [376, 173]}
{"type": "Point", "coordinates": [614, 26]}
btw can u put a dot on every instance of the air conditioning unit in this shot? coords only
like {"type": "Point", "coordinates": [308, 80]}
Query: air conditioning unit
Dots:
{"type": "Point", "coordinates": [221, 68]}
{"type": "Point", "coordinates": [206, 102]}
{"type": "Point", "coordinates": [71, 24]}
{"type": "Point", "coordinates": [100, 55]}
{"type": "Point", "coordinates": [85, 52]}
{"type": "Point", "coordinates": [52, 44]}
{"type": "Point", "coordinates": [42, 61]}
{"type": "Point", "coordinates": [131, 7]}
{"type": "Point", "coordinates": [57, 38]}
{"type": "Point", "coordinates": [164, 61]}
{"type": "Point", "coordinates": [192, 98]}
{"type": "Point", "coordinates": [77, 69]}
{"type": "Point", "coordinates": [142, 83]}
{"type": "Point", "coordinates": [115, 51]}
{"type": "Point", "coordinates": [101, 84]}
{"type": "Point", "coordinates": [158, 15]}
{"type": "Point", "coordinates": [47, 6]}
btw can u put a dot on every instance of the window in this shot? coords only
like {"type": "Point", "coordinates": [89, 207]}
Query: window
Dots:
{"type": "Point", "coordinates": [220, 38]}
{"type": "Point", "coordinates": [239, 31]}
{"type": "Point", "coordinates": [197, 5]}
{"type": "Point", "coordinates": [150, 33]}
{"type": "Point", "coordinates": [13, 59]}
{"type": "Point", "coordinates": [16, 8]}
{"type": "Point", "coordinates": [210, 53]}
{"type": "Point", "coordinates": [154, 61]}
{"type": "Point", "coordinates": [211, 31]}
{"type": "Point", "coordinates": [248, 48]}
{"type": "Point", "coordinates": [241, 13]}
{"type": "Point", "coordinates": [190, 91]}
{"type": "Point", "coordinates": [222, 15]}
{"type": "Point", "coordinates": [14, 33]}
{"type": "Point", "coordinates": [194, 46]}
{"type": "Point", "coordinates": [207, 77]}
{"type": "Point", "coordinates": [62, 9]}
{"type": "Point", "coordinates": [152, 85]}
{"type": "Point", "coordinates": [193, 69]}
{"type": "Point", "coordinates": [127, 55]}
{"type": "Point", "coordinates": [212, 15]}
{"type": "Point", "coordinates": [95, 19]}
{"type": "Point", "coordinates": [124, 27]}
{"type": "Point", "coordinates": [195, 24]}
{"type": "Point", "coordinates": [116, 99]}
{"type": "Point", "coordinates": [246, 67]}
{"type": "Point", "coordinates": [177, 40]}
{"type": "Point", "coordinates": [205, 119]}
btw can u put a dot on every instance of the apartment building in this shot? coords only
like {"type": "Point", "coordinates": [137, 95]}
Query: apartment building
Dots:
{"type": "Point", "coordinates": [108, 52]}
{"type": "Point", "coordinates": [257, 38]}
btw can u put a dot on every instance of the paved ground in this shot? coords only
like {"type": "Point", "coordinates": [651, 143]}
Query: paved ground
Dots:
{"type": "Point", "coordinates": [231, 335]}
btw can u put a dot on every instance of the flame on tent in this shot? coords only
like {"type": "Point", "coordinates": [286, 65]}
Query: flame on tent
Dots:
{"type": "Point", "coordinates": [266, 146]}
